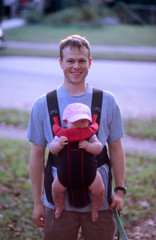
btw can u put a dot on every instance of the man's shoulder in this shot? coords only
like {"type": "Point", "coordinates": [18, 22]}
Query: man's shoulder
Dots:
{"type": "Point", "coordinates": [108, 100]}
{"type": "Point", "coordinates": [40, 101]}
{"type": "Point", "coordinates": [106, 94]}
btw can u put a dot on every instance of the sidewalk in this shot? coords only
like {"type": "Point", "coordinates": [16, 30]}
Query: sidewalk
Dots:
{"type": "Point", "coordinates": [12, 23]}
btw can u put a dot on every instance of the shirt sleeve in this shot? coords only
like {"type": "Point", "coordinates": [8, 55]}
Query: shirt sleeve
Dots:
{"type": "Point", "coordinates": [116, 130]}
{"type": "Point", "coordinates": [36, 133]}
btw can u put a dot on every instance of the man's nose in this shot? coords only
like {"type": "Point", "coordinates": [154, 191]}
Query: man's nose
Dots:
{"type": "Point", "coordinates": [76, 65]}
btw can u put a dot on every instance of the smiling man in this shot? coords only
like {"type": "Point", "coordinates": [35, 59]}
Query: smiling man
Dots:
{"type": "Point", "coordinates": [75, 61]}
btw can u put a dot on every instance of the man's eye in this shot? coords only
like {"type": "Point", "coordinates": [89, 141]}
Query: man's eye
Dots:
{"type": "Point", "coordinates": [70, 61]}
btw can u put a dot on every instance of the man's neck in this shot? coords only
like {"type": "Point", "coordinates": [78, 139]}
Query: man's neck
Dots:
{"type": "Point", "coordinates": [75, 90]}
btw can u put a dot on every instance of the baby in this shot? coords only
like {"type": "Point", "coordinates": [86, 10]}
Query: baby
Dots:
{"type": "Point", "coordinates": [78, 115]}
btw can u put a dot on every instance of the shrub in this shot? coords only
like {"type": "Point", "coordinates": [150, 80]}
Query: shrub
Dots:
{"type": "Point", "coordinates": [71, 15]}
{"type": "Point", "coordinates": [33, 17]}
{"type": "Point", "coordinates": [66, 16]}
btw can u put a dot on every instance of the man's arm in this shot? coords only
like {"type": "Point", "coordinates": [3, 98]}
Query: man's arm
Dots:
{"type": "Point", "coordinates": [118, 170]}
{"type": "Point", "coordinates": [36, 170]}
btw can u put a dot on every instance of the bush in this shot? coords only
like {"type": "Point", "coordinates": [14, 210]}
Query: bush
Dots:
{"type": "Point", "coordinates": [89, 13]}
{"type": "Point", "coordinates": [71, 15]}
{"type": "Point", "coordinates": [33, 17]}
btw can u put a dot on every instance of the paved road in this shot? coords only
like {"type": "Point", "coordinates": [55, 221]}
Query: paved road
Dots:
{"type": "Point", "coordinates": [23, 79]}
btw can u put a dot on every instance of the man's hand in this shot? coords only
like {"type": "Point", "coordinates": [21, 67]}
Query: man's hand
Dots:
{"type": "Point", "coordinates": [39, 215]}
{"type": "Point", "coordinates": [117, 200]}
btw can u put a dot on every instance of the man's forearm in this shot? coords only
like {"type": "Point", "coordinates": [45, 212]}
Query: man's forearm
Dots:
{"type": "Point", "coordinates": [118, 169]}
{"type": "Point", "coordinates": [118, 162]}
{"type": "Point", "coordinates": [36, 170]}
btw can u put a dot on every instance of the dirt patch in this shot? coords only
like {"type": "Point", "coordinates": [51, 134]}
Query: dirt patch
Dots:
{"type": "Point", "coordinates": [145, 229]}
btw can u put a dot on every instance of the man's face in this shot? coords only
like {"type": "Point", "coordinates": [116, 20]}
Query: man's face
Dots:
{"type": "Point", "coordinates": [75, 64]}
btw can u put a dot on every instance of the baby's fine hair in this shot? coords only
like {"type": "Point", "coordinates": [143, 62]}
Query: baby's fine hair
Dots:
{"type": "Point", "coordinates": [74, 41]}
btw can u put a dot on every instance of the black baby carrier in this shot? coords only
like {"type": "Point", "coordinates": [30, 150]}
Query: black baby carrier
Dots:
{"type": "Point", "coordinates": [78, 197]}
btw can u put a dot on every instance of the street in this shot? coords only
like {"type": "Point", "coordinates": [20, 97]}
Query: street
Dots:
{"type": "Point", "coordinates": [23, 79]}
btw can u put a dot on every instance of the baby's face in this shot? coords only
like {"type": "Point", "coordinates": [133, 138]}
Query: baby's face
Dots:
{"type": "Point", "coordinates": [83, 123]}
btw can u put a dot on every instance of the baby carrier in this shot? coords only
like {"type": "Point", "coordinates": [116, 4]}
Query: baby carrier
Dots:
{"type": "Point", "coordinates": [78, 197]}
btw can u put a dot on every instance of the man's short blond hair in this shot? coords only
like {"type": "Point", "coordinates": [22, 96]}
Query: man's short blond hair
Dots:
{"type": "Point", "coordinates": [74, 41]}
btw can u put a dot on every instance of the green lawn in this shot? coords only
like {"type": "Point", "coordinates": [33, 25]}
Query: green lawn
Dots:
{"type": "Point", "coordinates": [124, 35]}
{"type": "Point", "coordinates": [141, 128]}
{"type": "Point", "coordinates": [14, 117]}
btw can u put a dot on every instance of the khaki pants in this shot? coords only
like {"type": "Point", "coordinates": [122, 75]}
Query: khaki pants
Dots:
{"type": "Point", "coordinates": [67, 226]}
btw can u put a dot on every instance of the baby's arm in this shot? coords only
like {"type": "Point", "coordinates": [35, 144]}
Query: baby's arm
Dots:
{"type": "Point", "coordinates": [58, 144]}
{"type": "Point", "coordinates": [94, 146]}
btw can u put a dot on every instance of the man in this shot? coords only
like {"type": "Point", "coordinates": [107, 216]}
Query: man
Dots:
{"type": "Point", "coordinates": [75, 62]}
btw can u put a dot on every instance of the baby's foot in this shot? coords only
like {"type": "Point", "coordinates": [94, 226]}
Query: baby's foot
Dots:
{"type": "Point", "coordinates": [58, 211]}
{"type": "Point", "coordinates": [94, 216]}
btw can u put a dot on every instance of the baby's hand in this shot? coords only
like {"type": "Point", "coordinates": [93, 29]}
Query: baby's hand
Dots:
{"type": "Point", "coordinates": [63, 140]}
{"type": "Point", "coordinates": [83, 144]}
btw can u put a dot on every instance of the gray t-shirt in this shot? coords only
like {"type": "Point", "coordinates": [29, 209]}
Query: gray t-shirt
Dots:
{"type": "Point", "coordinates": [110, 129]}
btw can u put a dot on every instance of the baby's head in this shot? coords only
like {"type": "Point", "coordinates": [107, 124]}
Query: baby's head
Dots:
{"type": "Point", "coordinates": [77, 115]}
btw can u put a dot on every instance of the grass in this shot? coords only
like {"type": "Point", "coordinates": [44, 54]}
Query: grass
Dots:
{"type": "Point", "coordinates": [141, 128]}
{"type": "Point", "coordinates": [15, 190]}
{"type": "Point", "coordinates": [16, 197]}
{"type": "Point", "coordinates": [31, 52]}
{"type": "Point", "coordinates": [140, 181]}
{"type": "Point", "coordinates": [125, 35]}
{"type": "Point", "coordinates": [14, 117]}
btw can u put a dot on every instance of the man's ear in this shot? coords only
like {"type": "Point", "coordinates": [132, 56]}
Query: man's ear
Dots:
{"type": "Point", "coordinates": [90, 61]}
{"type": "Point", "coordinates": [60, 61]}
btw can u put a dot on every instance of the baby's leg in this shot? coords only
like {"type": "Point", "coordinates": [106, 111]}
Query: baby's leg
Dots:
{"type": "Point", "coordinates": [97, 191]}
{"type": "Point", "coordinates": [58, 196]}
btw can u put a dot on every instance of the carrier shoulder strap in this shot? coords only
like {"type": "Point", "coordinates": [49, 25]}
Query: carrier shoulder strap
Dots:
{"type": "Point", "coordinates": [53, 108]}
{"type": "Point", "coordinates": [97, 103]}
